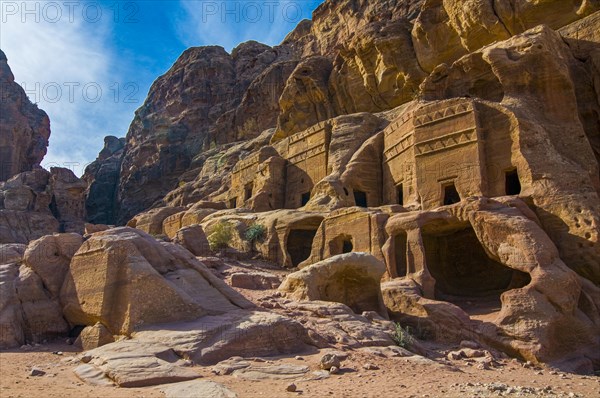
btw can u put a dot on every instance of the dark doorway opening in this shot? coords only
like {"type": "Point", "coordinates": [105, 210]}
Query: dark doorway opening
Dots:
{"type": "Point", "coordinates": [54, 207]}
{"type": "Point", "coordinates": [451, 195]}
{"type": "Point", "coordinates": [248, 191]}
{"type": "Point", "coordinates": [347, 246]}
{"type": "Point", "coordinates": [340, 245]}
{"type": "Point", "coordinates": [233, 203]}
{"type": "Point", "coordinates": [360, 198]}
{"type": "Point", "coordinates": [304, 199]}
{"type": "Point", "coordinates": [299, 244]}
{"type": "Point", "coordinates": [400, 190]}
{"type": "Point", "coordinates": [400, 246]}
{"type": "Point", "coordinates": [512, 183]}
{"type": "Point", "coordinates": [464, 273]}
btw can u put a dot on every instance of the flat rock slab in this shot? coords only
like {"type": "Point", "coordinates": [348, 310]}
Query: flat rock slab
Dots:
{"type": "Point", "coordinates": [387, 352]}
{"type": "Point", "coordinates": [197, 389]}
{"type": "Point", "coordinates": [135, 364]}
{"type": "Point", "coordinates": [272, 372]}
{"type": "Point", "coordinates": [230, 365]}
{"type": "Point", "coordinates": [92, 375]}
{"type": "Point", "coordinates": [162, 353]}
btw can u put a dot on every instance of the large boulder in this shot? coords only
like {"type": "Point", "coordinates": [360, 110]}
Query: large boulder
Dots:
{"type": "Point", "coordinates": [352, 279]}
{"type": "Point", "coordinates": [194, 239]}
{"type": "Point", "coordinates": [49, 257]}
{"type": "Point", "coordinates": [11, 317]}
{"type": "Point", "coordinates": [124, 279]}
{"type": "Point", "coordinates": [152, 220]}
{"type": "Point", "coordinates": [42, 314]}
{"type": "Point", "coordinates": [430, 319]}
{"type": "Point", "coordinates": [30, 281]}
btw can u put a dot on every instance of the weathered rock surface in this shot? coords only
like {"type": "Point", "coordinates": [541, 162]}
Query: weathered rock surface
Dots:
{"type": "Point", "coordinates": [154, 355]}
{"type": "Point", "coordinates": [197, 389]}
{"type": "Point", "coordinates": [24, 128]}
{"type": "Point", "coordinates": [330, 324]}
{"type": "Point", "coordinates": [102, 178]}
{"type": "Point", "coordinates": [194, 239]}
{"type": "Point", "coordinates": [124, 279]}
{"type": "Point", "coordinates": [254, 280]}
{"type": "Point", "coordinates": [533, 272]}
{"type": "Point", "coordinates": [151, 221]}
{"type": "Point", "coordinates": [562, 178]}
{"type": "Point", "coordinates": [352, 279]}
{"type": "Point", "coordinates": [49, 257]}
{"type": "Point", "coordinates": [435, 320]}
{"type": "Point", "coordinates": [180, 116]}
{"type": "Point", "coordinates": [30, 279]}
{"type": "Point", "coordinates": [11, 318]}
{"type": "Point", "coordinates": [38, 203]}
{"type": "Point", "coordinates": [94, 336]}
{"type": "Point", "coordinates": [42, 314]}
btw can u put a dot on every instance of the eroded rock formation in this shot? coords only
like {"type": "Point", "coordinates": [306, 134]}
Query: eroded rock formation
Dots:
{"type": "Point", "coordinates": [38, 203]}
{"type": "Point", "coordinates": [102, 178]}
{"type": "Point", "coordinates": [24, 128]}
{"type": "Point", "coordinates": [448, 149]}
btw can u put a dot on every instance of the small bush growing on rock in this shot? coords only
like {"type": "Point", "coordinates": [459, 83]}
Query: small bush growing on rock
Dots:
{"type": "Point", "coordinates": [255, 233]}
{"type": "Point", "coordinates": [221, 236]}
{"type": "Point", "coordinates": [402, 337]}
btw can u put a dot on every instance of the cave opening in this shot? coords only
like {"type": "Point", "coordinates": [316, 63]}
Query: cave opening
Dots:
{"type": "Point", "coordinates": [464, 273]}
{"type": "Point", "coordinates": [340, 245]}
{"type": "Point", "coordinates": [248, 191]}
{"type": "Point", "coordinates": [512, 183]}
{"type": "Point", "coordinates": [400, 246]}
{"type": "Point", "coordinates": [299, 244]}
{"type": "Point", "coordinates": [360, 198]}
{"type": "Point", "coordinates": [304, 198]}
{"type": "Point", "coordinates": [347, 246]}
{"type": "Point", "coordinates": [400, 190]}
{"type": "Point", "coordinates": [233, 203]}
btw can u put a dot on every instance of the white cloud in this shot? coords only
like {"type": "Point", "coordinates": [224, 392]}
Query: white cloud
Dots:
{"type": "Point", "coordinates": [61, 62]}
{"type": "Point", "coordinates": [228, 23]}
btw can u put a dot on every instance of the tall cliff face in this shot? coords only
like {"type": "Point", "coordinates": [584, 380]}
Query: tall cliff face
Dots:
{"type": "Point", "coordinates": [24, 128]}
{"type": "Point", "coordinates": [353, 56]}
{"type": "Point", "coordinates": [102, 178]}
{"type": "Point", "coordinates": [208, 98]}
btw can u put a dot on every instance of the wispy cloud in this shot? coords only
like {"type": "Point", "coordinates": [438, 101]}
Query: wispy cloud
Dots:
{"type": "Point", "coordinates": [63, 59]}
{"type": "Point", "coordinates": [230, 22]}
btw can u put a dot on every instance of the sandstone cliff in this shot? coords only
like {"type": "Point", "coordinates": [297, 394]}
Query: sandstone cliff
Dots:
{"type": "Point", "coordinates": [455, 142]}
{"type": "Point", "coordinates": [353, 56]}
{"type": "Point", "coordinates": [24, 128]}
{"type": "Point", "coordinates": [102, 178]}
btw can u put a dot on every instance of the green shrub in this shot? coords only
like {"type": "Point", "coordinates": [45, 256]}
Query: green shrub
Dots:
{"type": "Point", "coordinates": [220, 236]}
{"type": "Point", "coordinates": [402, 337]}
{"type": "Point", "coordinates": [255, 233]}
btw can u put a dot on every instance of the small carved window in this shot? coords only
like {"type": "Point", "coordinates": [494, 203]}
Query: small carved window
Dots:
{"type": "Point", "coordinates": [451, 195]}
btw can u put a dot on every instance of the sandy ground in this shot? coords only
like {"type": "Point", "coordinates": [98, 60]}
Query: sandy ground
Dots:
{"type": "Point", "coordinates": [396, 377]}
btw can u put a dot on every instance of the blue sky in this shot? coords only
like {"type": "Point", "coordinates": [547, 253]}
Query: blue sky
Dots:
{"type": "Point", "coordinates": [90, 64]}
